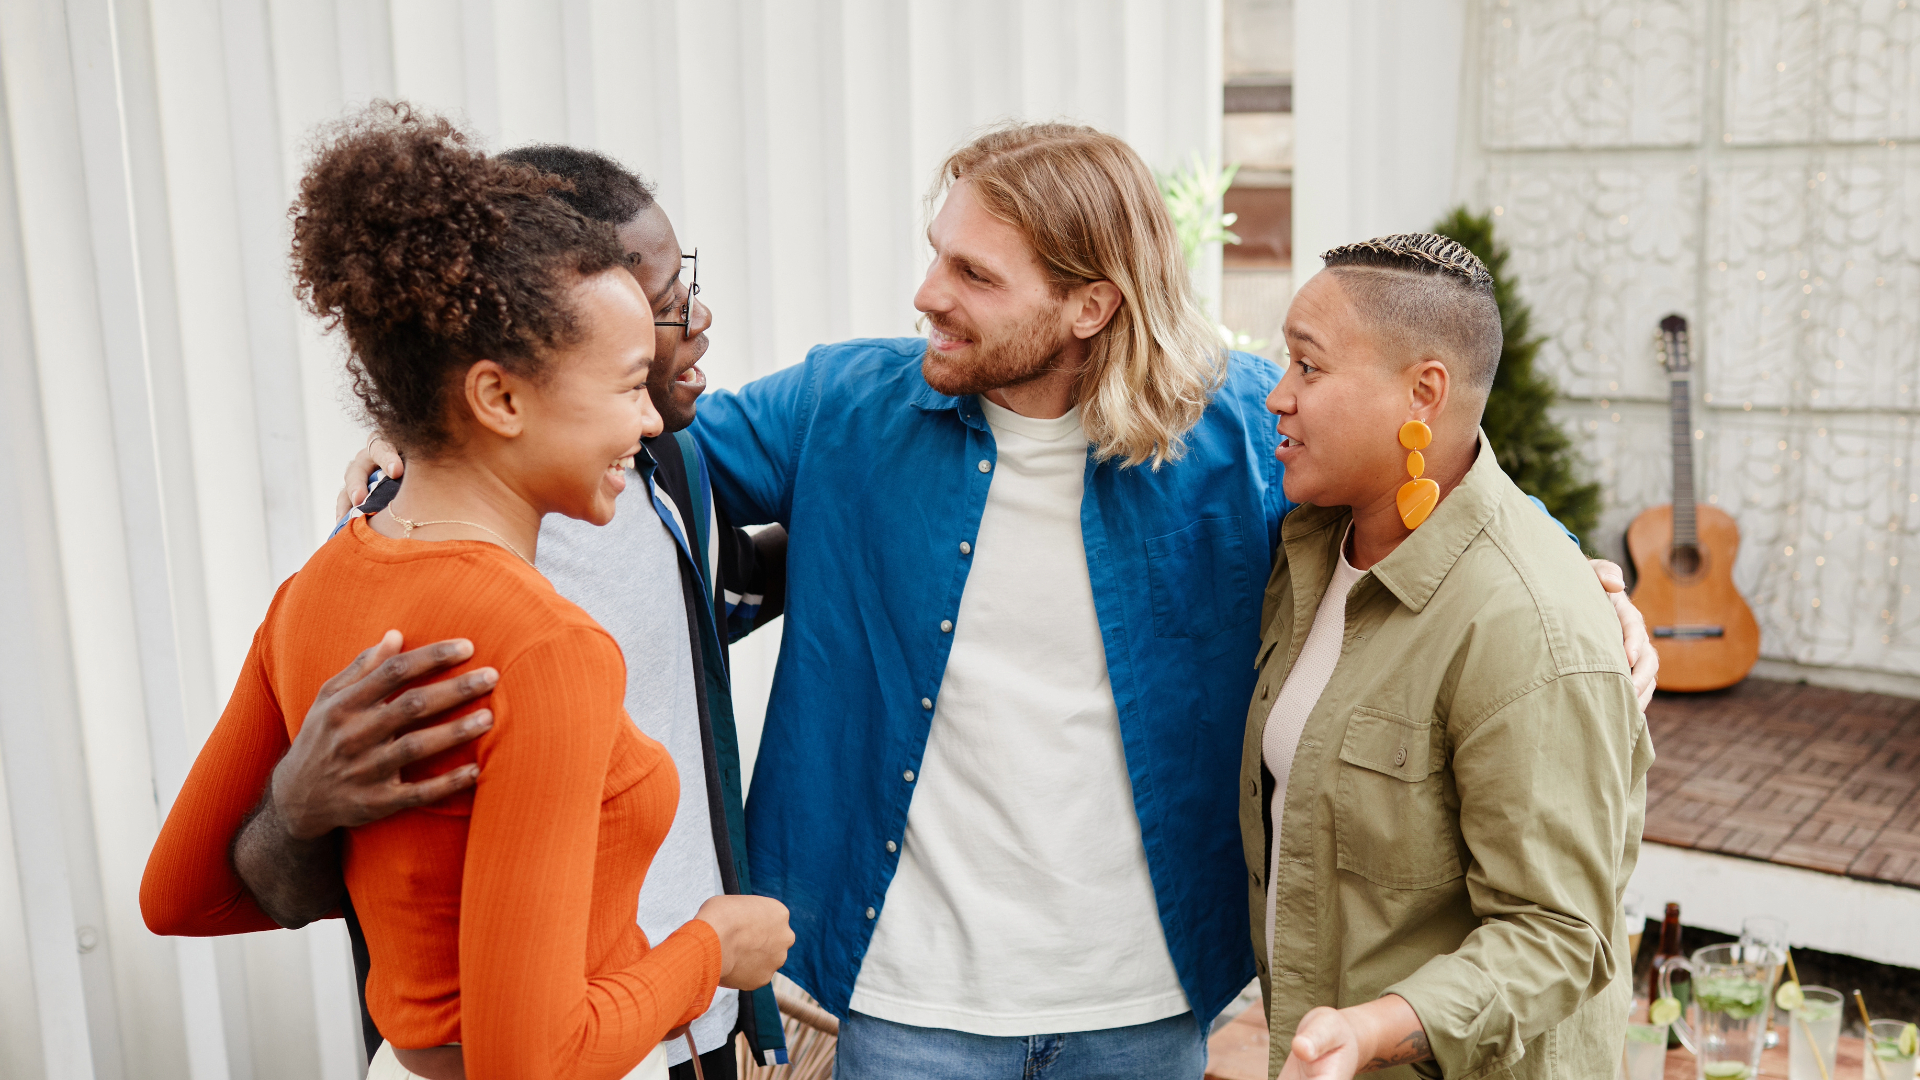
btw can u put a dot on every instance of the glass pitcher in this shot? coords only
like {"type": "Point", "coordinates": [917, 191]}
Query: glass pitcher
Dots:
{"type": "Point", "coordinates": [1726, 1023]}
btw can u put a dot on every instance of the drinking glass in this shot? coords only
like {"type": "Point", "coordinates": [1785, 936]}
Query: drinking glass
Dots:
{"type": "Point", "coordinates": [1731, 987]}
{"type": "Point", "coordinates": [1883, 1042]}
{"type": "Point", "coordinates": [1646, 1053]}
{"type": "Point", "coordinates": [1771, 932]}
{"type": "Point", "coordinates": [1814, 1029]}
{"type": "Point", "coordinates": [1764, 930]}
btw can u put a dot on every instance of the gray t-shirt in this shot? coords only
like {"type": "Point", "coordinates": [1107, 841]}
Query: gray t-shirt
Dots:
{"type": "Point", "coordinates": [626, 574]}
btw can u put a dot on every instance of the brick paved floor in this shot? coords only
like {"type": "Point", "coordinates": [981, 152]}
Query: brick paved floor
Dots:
{"type": "Point", "coordinates": [1800, 775]}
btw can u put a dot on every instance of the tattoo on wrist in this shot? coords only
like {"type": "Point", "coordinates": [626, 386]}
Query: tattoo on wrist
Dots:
{"type": "Point", "coordinates": [1409, 1050]}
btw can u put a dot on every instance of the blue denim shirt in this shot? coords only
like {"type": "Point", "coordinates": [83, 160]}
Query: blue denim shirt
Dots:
{"type": "Point", "coordinates": [878, 479]}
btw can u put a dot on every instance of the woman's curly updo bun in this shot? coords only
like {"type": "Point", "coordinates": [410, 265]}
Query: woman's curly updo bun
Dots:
{"type": "Point", "coordinates": [430, 255]}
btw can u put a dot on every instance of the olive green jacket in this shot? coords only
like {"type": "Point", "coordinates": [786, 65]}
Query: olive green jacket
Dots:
{"type": "Point", "coordinates": [1467, 797]}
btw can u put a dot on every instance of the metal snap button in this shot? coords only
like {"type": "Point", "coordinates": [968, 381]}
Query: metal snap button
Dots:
{"type": "Point", "coordinates": [986, 466]}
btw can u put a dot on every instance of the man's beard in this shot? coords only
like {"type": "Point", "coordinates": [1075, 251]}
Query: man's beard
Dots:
{"type": "Point", "coordinates": [1029, 351]}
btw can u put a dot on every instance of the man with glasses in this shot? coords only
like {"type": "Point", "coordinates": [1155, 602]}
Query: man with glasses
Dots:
{"type": "Point", "coordinates": [669, 578]}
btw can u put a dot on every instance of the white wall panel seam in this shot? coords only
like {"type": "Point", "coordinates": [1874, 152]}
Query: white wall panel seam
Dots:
{"type": "Point", "coordinates": [160, 310]}
{"type": "Point", "coordinates": [116, 257]}
{"type": "Point", "coordinates": [755, 305]}
{"type": "Point", "coordinates": [106, 642]}
{"type": "Point", "coordinates": [146, 975]}
{"type": "Point", "coordinates": [366, 50]}
{"type": "Point", "coordinates": [26, 714]}
{"type": "Point", "coordinates": [480, 67]}
{"type": "Point", "coordinates": [576, 33]}
{"type": "Point", "coordinates": [100, 96]}
{"type": "Point", "coordinates": [259, 206]}
{"type": "Point", "coordinates": [842, 249]}
{"type": "Point", "coordinates": [217, 383]}
{"type": "Point", "coordinates": [22, 1053]}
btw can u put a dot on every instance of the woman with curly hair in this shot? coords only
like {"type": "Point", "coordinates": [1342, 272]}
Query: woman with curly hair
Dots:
{"type": "Point", "coordinates": [497, 338]}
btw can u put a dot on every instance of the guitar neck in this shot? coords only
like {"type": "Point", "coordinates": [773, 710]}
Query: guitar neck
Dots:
{"type": "Point", "coordinates": [1685, 533]}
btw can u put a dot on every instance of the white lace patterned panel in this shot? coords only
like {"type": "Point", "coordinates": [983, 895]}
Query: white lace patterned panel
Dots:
{"type": "Point", "coordinates": [1603, 251]}
{"type": "Point", "coordinates": [1755, 166]}
{"type": "Point", "coordinates": [1811, 282]}
{"type": "Point", "coordinates": [1809, 71]}
{"type": "Point", "coordinates": [1592, 73]}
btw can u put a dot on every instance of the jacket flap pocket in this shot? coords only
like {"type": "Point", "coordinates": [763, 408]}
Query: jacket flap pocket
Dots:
{"type": "Point", "coordinates": [1389, 744]}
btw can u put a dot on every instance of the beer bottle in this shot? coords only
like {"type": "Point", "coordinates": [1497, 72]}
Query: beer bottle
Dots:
{"type": "Point", "coordinates": [1669, 950]}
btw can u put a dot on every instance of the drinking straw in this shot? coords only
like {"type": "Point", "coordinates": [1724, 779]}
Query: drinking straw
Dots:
{"type": "Point", "coordinates": [1861, 1001]}
{"type": "Point", "coordinates": [1819, 1058]}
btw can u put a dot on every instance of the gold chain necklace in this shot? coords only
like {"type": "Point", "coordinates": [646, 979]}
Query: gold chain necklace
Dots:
{"type": "Point", "coordinates": [409, 526]}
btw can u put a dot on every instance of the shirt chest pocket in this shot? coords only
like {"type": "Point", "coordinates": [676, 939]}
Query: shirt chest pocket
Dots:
{"type": "Point", "coordinates": [1198, 580]}
{"type": "Point", "coordinates": [1394, 818]}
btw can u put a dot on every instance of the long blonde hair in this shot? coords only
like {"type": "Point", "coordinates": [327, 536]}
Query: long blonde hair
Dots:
{"type": "Point", "coordinates": [1091, 210]}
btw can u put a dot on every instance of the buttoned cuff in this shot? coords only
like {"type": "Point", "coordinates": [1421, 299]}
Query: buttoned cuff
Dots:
{"type": "Point", "coordinates": [1469, 1027]}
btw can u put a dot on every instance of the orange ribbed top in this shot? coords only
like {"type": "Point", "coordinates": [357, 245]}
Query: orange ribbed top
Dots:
{"type": "Point", "coordinates": [502, 918]}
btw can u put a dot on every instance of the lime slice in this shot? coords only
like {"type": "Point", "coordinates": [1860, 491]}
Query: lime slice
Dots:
{"type": "Point", "coordinates": [1789, 997]}
{"type": "Point", "coordinates": [1664, 1011]}
{"type": "Point", "coordinates": [1726, 1070]}
{"type": "Point", "coordinates": [1909, 1043]}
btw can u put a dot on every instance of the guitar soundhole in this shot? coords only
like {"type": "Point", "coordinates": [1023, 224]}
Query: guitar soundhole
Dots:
{"type": "Point", "coordinates": [1685, 561]}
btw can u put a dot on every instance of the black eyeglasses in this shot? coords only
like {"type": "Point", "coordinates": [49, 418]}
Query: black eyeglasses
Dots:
{"type": "Point", "coordinates": [685, 321]}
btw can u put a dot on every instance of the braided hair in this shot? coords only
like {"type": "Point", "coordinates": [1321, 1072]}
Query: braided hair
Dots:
{"type": "Point", "coordinates": [1425, 295]}
{"type": "Point", "coordinates": [1421, 252]}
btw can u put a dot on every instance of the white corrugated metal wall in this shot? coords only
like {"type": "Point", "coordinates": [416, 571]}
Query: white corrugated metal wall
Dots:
{"type": "Point", "coordinates": [172, 430]}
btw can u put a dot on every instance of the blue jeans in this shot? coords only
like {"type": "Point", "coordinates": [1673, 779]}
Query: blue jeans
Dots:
{"type": "Point", "coordinates": [875, 1049]}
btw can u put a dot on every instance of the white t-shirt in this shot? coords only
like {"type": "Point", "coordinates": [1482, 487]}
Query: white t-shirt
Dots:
{"type": "Point", "coordinates": [1022, 904]}
{"type": "Point", "coordinates": [626, 574]}
{"type": "Point", "coordinates": [1319, 655]}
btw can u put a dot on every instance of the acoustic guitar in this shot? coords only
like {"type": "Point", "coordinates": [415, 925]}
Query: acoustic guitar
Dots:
{"type": "Point", "coordinates": [1683, 554]}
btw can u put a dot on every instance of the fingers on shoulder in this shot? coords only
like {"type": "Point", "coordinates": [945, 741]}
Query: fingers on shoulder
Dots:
{"type": "Point", "coordinates": [1612, 578]}
{"type": "Point", "coordinates": [434, 789]}
{"type": "Point", "coordinates": [356, 669]}
{"type": "Point", "coordinates": [402, 668]}
{"type": "Point", "coordinates": [423, 743]}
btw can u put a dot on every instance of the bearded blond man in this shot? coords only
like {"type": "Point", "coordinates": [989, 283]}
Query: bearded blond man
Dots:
{"type": "Point", "coordinates": [997, 784]}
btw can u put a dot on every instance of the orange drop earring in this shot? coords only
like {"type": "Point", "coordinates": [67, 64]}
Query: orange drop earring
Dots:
{"type": "Point", "coordinates": [1418, 496]}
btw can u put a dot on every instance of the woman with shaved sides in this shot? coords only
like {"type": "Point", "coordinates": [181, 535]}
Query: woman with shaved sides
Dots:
{"type": "Point", "coordinates": [496, 336]}
{"type": "Point", "coordinates": [1444, 775]}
